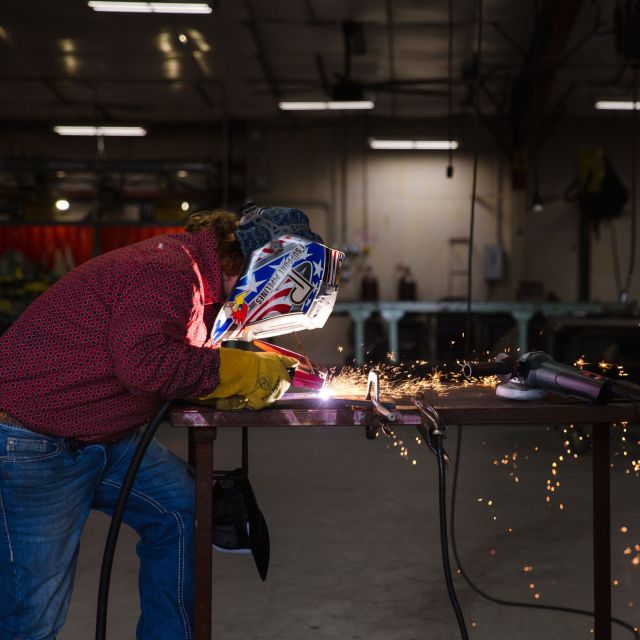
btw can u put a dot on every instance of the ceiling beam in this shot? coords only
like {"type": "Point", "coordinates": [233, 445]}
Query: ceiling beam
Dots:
{"type": "Point", "coordinates": [532, 88]}
{"type": "Point", "coordinates": [263, 55]}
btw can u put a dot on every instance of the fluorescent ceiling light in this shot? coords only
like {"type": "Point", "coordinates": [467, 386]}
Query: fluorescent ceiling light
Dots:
{"type": "Point", "coordinates": [327, 105]}
{"type": "Point", "coordinates": [413, 145]}
{"type": "Point", "coordinates": [303, 106]}
{"type": "Point", "coordinates": [150, 7]}
{"type": "Point", "coordinates": [64, 130]}
{"type": "Point", "coordinates": [336, 105]}
{"type": "Point", "coordinates": [617, 105]}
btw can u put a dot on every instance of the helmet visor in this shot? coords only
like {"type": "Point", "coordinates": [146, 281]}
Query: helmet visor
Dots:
{"type": "Point", "coordinates": [288, 285]}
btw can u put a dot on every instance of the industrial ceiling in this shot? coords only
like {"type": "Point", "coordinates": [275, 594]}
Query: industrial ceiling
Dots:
{"type": "Point", "coordinates": [62, 62]}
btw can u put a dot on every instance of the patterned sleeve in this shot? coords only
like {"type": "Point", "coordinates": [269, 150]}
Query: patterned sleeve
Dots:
{"type": "Point", "coordinates": [147, 336]}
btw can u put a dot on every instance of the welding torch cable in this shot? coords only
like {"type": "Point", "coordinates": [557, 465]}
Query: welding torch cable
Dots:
{"type": "Point", "coordinates": [634, 180]}
{"type": "Point", "coordinates": [444, 538]}
{"type": "Point", "coordinates": [484, 594]}
{"type": "Point", "coordinates": [116, 519]}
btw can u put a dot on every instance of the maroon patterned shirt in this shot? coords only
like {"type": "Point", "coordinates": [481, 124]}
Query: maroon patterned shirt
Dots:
{"type": "Point", "coordinates": [98, 353]}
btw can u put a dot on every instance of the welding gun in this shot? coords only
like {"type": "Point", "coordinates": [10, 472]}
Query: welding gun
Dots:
{"type": "Point", "coordinates": [306, 374]}
{"type": "Point", "coordinates": [538, 370]}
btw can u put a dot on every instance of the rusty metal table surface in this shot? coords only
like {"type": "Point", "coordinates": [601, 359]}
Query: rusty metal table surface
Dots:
{"type": "Point", "coordinates": [471, 405]}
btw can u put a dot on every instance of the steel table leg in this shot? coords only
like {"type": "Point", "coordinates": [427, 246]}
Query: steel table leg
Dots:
{"type": "Point", "coordinates": [191, 449]}
{"type": "Point", "coordinates": [203, 439]}
{"type": "Point", "coordinates": [359, 317]}
{"type": "Point", "coordinates": [601, 532]}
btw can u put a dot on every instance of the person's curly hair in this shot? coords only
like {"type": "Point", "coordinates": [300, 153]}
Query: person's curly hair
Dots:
{"type": "Point", "coordinates": [223, 224]}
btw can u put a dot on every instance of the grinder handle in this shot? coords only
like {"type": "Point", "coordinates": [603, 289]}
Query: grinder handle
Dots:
{"type": "Point", "coordinates": [499, 367]}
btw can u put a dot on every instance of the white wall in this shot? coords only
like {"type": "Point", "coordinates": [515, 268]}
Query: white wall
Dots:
{"type": "Point", "coordinates": [400, 207]}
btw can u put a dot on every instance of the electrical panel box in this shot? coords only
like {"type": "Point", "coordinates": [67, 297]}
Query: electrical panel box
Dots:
{"type": "Point", "coordinates": [494, 260]}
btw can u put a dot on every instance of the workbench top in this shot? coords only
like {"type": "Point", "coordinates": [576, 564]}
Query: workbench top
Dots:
{"type": "Point", "coordinates": [473, 404]}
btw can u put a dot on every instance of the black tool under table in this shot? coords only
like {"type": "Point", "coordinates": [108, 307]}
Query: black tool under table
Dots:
{"type": "Point", "coordinates": [472, 405]}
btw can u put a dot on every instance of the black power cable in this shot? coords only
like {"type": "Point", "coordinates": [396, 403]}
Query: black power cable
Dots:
{"type": "Point", "coordinates": [474, 186]}
{"type": "Point", "coordinates": [444, 539]}
{"type": "Point", "coordinates": [484, 594]}
{"type": "Point", "coordinates": [634, 169]}
{"type": "Point", "coordinates": [116, 519]}
{"type": "Point", "coordinates": [450, 96]}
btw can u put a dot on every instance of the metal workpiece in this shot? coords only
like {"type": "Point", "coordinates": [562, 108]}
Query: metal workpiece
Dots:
{"type": "Point", "coordinates": [310, 411]}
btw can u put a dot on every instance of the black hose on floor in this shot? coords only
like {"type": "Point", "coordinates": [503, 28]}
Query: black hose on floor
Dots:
{"type": "Point", "coordinates": [116, 519]}
{"type": "Point", "coordinates": [488, 596]}
{"type": "Point", "coordinates": [444, 539]}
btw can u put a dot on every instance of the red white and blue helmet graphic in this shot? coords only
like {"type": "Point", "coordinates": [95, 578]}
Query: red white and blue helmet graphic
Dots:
{"type": "Point", "coordinates": [288, 285]}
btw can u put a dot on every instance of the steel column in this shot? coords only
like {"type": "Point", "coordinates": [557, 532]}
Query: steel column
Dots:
{"type": "Point", "coordinates": [392, 317]}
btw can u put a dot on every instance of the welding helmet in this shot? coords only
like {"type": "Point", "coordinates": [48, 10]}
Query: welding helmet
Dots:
{"type": "Point", "coordinates": [238, 524]}
{"type": "Point", "coordinates": [289, 283]}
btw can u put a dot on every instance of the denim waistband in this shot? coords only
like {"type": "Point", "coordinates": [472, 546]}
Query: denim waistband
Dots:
{"type": "Point", "coordinates": [10, 421]}
{"type": "Point", "coordinates": [6, 418]}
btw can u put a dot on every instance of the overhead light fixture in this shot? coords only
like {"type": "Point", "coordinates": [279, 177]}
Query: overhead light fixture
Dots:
{"type": "Point", "coordinates": [537, 203]}
{"type": "Point", "coordinates": [149, 7]}
{"type": "Point", "coordinates": [64, 130]}
{"type": "Point", "coordinates": [617, 105]}
{"type": "Point", "coordinates": [327, 105]}
{"type": "Point", "coordinates": [62, 205]}
{"type": "Point", "coordinates": [185, 206]}
{"type": "Point", "coordinates": [413, 145]}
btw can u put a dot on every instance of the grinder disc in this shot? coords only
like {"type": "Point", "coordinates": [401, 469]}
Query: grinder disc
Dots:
{"type": "Point", "coordinates": [519, 391]}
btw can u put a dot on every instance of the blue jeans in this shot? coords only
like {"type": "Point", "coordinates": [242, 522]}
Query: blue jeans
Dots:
{"type": "Point", "coordinates": [47, 488]}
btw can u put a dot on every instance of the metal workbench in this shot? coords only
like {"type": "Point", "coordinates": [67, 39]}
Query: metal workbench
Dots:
{"type": "Point", "coordinates": [474, 405]}
{"type": "Point", "coordinates": [521, 312]}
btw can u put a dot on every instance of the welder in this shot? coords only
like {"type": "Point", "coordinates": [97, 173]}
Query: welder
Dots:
{"type": "Point", "coordinates": [81, 370]}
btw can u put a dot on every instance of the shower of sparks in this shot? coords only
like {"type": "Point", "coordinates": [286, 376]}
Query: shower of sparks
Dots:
{"type": "Point", "coordinates": [401, 447]}
{"type": "Point", "coordinates": [404, 381]}
{"type": "Point", "coordinates": [399, 381]}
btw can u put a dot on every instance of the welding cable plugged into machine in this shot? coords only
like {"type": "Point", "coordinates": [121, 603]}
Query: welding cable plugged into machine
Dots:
{"type": "Point", "coordinates": [432, 430]}
{"type": "Point", "coordinates": [531, 377]}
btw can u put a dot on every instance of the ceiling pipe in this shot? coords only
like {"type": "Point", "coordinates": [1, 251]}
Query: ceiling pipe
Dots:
{"type": "Point", "coordinates": [16, 165]}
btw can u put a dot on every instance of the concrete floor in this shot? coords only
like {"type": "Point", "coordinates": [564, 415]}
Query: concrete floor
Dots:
{"type": "Point", "coordinates": [355, 543]}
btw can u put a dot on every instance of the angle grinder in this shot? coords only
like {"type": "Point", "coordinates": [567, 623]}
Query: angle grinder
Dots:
{"type": "Point", "coordinates": [534, 374]}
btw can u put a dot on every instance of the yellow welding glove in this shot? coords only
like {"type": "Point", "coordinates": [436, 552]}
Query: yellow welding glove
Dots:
{"type": "Point", "coordinates": [250, 379]}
